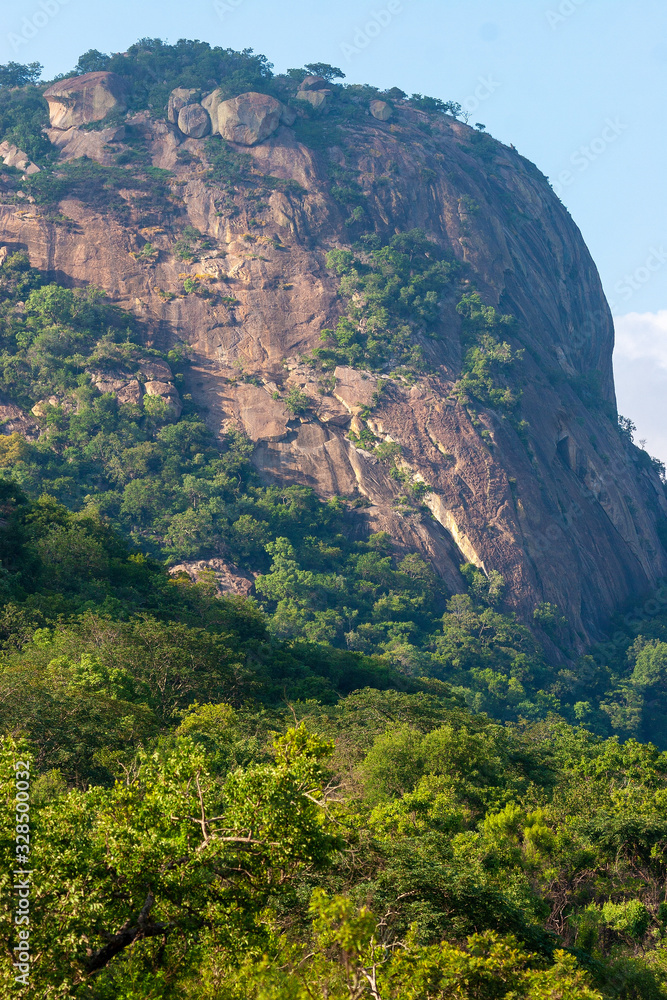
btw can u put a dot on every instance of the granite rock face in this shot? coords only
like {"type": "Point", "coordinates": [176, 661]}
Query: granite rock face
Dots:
{"type": "Point", "coordinates": [180, 98]}
{"type": "Point", "coordinates": [249, 118]}
{"type": "Point", "coordinates": [12, 156]}
{"type": "Point", "coordinates": [316, 98]}
{"type": "Point", "coordinates": [194, 121]}
{"type": "Point", "coordinates": [381, 110]}
{"type": "Point", "coordinates": [83, 99]}
{"type": "Point", "coordinates": [313, 83]}
{"type": "Point", "coordinates": [566, 510]}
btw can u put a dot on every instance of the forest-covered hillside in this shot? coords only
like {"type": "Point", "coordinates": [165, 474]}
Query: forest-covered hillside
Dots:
{"type": "Point", "coordinates": [357, 781]}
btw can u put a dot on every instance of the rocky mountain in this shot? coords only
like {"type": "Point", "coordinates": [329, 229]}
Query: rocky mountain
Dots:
{"type": "Point", "coordinates": [489, 435]}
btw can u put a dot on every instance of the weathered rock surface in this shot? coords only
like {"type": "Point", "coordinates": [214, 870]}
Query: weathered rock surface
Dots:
{"type": "Point", "coordinates": [12, 156]}
{"type": "Point", "coordinates": [194, 121]}
{"type": "Point", "coordinates": [249, 119]}
{"type": "Point", "coordinates": [381, 110]}
{"type": "Point", "coordinates": [166, 391]}
{"type": "Point", "coordinates": [287, 115]}
{"type": "Point", "coordinates": [180, 98]}
{"type": "Point", "coordinates": [316, 98]}
{"type": "Point", "coordinates": [227, 578]}
{"type": "Point", "coordinates": [253, 409]}
{"type": "Point", "coordinates": [74, 142]}
{"type": "Point", "coordinates": [14, 420]}
{"type": "Point", "coordinates": [566, 511]}
{"type": "Point", "coordinates": [83, 99]}
{"type": "Point", "coordinates": [211, 103]}
{"type": "Point", "coordinates": [313, 83]}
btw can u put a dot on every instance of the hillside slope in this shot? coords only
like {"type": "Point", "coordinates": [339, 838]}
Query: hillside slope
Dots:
{"type": "Point", "coordinates": [511, 461]}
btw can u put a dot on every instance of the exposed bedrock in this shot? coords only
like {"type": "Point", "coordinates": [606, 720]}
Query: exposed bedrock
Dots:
{"type": "Point", "coordinates": [565, 511]}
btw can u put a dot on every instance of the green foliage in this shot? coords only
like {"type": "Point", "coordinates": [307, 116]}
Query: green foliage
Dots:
{"type": "Point", "coordinates": [487, 357]}
{"type": "Point", "coordinates": [434, 105]}
{"type": "Point", "coordinates": [191, 244]}
{"type": "Point", "coordinates": [23, 114]}
{"type": "Point", "coordinates": [296, 401]}
{"type": "Point", "coordinates": [14, 74]}
{"type": "Point", "coordinates": [393, 293]}
{"type": "Point", "coordinates": [152, 68]}
{"type": "Point", "coordinates": [99, 187]}
{"type": "Point", "coordinates": [325, 70]}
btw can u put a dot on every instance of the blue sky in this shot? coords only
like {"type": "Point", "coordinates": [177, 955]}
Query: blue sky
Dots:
{"type": "Point", "coordinates": [577, 85]}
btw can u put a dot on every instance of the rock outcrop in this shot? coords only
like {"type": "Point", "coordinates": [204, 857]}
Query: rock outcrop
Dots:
{"type": "Point", "coordinates": [153, 378]}
{"type": "Point", "coordinates": [12, 156]}
{"type": "Point", "coordinates": [249, 119]}
{"type": "Point", "coordinates": [227, 578]}
{"type": "Point", "coordinates": [14, 420]}
{"type": "Point", "coordinates": [211, 103]}
{"type": "Point", "coordinates": [99, 145]}
{"type": "Point", "coordinates": [316, 98]}
{"type": "Point", "coordinates": [381, 110]}
{"type": "Point", "coordinates": [313, 83]}
{"type": "Point", "coordinates": [561, 505]}
{"type": "Point", "coordinates": [180, 98]}
{"type": "Point", "coordinates": [194, 121]}
{"type": "Point", "coordinates": [83, 99]}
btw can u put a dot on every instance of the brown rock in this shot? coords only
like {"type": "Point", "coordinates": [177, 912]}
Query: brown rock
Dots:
{"type": "Point", "coordinates": [249, 119]}
{"type": "Point", "coordinates": [12, 156]}
{"type": "Point", "coordinates": [287, 115]}
{"type": "Point", "coordinates": [211, 103]}
{"type": "Point", "coordinates": [262, 417]}
{"type": "Point", "coordinates": [166, 391]}
{"type": "Point", "coordinates": [227, 579]}
{"type": "Point", "coordinates": [313, 83]}
{"type": "Point", "coordinates": [562, 519]}
{"type": "Point", "coordinates": [179, 98]}
{"type": "Point", "coordinates": [156, 370]}
{"type": "Point", "coordinates": [130, 392]}
{"type": "Point", "coordinates": [316, 98]}
{"type": "Point", "coordinates": [73, 143]}
{"type": "Point", "coordinates": [381, 110]}
{"type": "Point", "coordinates": [355, 389]}
{"type": "Point", "coordinates": [82, 99]}
{"type": "Point", "coordinates": [331, 411]}
{"type": "Point", "coordinates": [194, 121]}
{"type": "Point", "coordinates": [14, 420]}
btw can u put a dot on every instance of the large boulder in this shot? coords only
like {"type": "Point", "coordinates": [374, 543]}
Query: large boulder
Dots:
{"type": "Point", "coordinates": [168, 392]}
{"type": "Point", "coordinates": [316, 98]}
{"type": "Point", "coordinates": [249, 118]}
{"type": "Point", "coordinates": [194, 121]}
{"type": "Point", "coordinates": [381, 110]}
{"type": "Point", "coordinates": [82, 99]}
{"type": "Point", "coordinates": [313, 83]}
{"type": "Point", "coordinates": [287, 115]}
{"type": "Point", "coordinates": [212, 102]}
{"type": "Point", "coordinates": [179, 98]}
{"type": "Point", "coordinates": [12, 156]}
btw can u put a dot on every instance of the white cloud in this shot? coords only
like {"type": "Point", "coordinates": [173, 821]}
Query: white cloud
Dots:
{"type": "Point", "coordinates": [640, 369]}
{"type": "Point", "coordinates": [642, 336]}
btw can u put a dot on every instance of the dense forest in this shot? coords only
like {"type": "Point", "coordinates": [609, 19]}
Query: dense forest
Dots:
{"type": "Point", "coordinates": [353, 783]}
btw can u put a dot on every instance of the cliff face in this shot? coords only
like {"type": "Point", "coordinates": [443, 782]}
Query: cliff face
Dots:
{"type": "Point", "coordinates": [565, 510]}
